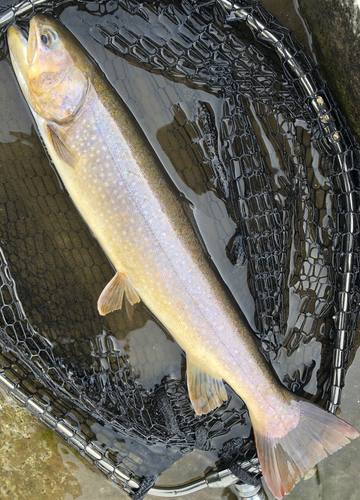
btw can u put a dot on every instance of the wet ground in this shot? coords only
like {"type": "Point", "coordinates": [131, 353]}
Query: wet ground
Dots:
{"type": "Point", "coordinates": [36, 464]}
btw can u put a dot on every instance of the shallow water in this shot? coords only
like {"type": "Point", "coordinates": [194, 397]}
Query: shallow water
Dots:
{"type": "Point", "coordinates": [168, 361]}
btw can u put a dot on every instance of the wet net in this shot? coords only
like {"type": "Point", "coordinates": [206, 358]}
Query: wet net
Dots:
{"type": "Point", "coordinates": [249, 132]}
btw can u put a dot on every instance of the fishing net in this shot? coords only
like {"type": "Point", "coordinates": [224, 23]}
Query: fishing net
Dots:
{"type": "Point", "coordinates": [250, 134]}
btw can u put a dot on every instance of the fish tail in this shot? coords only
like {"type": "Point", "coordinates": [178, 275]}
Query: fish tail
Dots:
{"type": "Point", "coordinates": [285, 460]}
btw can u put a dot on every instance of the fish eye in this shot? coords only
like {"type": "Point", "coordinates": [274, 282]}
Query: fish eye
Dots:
{"type": "Point", "coordinates": [48, 37]}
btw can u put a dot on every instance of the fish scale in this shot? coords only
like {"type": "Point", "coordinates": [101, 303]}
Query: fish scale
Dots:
{"type": "Point", "coordinates": [170, 279]}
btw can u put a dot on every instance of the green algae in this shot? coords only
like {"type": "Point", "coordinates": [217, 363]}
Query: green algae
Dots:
{"type": "Point", "coordinates": [37, 464]}
{"type": "Point", "coordinates": [30, 465]}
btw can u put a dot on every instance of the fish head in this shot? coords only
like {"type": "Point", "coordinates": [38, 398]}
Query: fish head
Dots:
{"type": "Point", "coordinates": [52, 70]}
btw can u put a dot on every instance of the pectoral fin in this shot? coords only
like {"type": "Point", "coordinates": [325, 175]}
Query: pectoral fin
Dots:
{"type": "Point", "coordinates": [206, 391]}
{"type": "Point", "coordinates": [59, 147]}
{"type": "Point", "coordinates": [112, 296]}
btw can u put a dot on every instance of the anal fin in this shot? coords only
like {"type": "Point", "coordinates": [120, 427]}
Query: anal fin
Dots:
{"type": "Point", "coordinates": [113, 295]}
{"type": "Point", "coordinates": [206, 391]}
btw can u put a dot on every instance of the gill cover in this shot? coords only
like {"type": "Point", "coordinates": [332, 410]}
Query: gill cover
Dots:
{"type": "Point", "coordinates": [52, 70]}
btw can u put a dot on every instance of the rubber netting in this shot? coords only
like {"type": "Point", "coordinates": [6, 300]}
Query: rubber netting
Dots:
{"type": "Point", "coordinates": [242, 137]}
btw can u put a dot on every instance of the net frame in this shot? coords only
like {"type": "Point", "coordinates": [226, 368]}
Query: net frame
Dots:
{"type": "Point", "coordinates": [334, 136]}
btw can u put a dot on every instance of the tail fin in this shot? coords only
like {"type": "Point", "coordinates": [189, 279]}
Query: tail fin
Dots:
{"type": "Point", "coordinates": [285, 460]}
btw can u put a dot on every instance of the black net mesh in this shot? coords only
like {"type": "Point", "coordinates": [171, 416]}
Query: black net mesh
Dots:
{"type": "Point", "coordinates": [248, 130]}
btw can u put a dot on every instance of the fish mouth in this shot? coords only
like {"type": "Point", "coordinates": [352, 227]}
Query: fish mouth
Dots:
{"type": "Point", "coordinates": [23, 45]}
{"type": "Point", "coordinates": [18, 45]}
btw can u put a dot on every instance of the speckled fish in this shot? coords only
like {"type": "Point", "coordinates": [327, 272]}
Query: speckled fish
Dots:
{"type": "Point", "coordinates": [120, 189]}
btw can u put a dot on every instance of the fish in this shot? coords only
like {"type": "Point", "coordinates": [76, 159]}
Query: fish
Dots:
{"type": "Point", "coordinates": [121, 189]}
